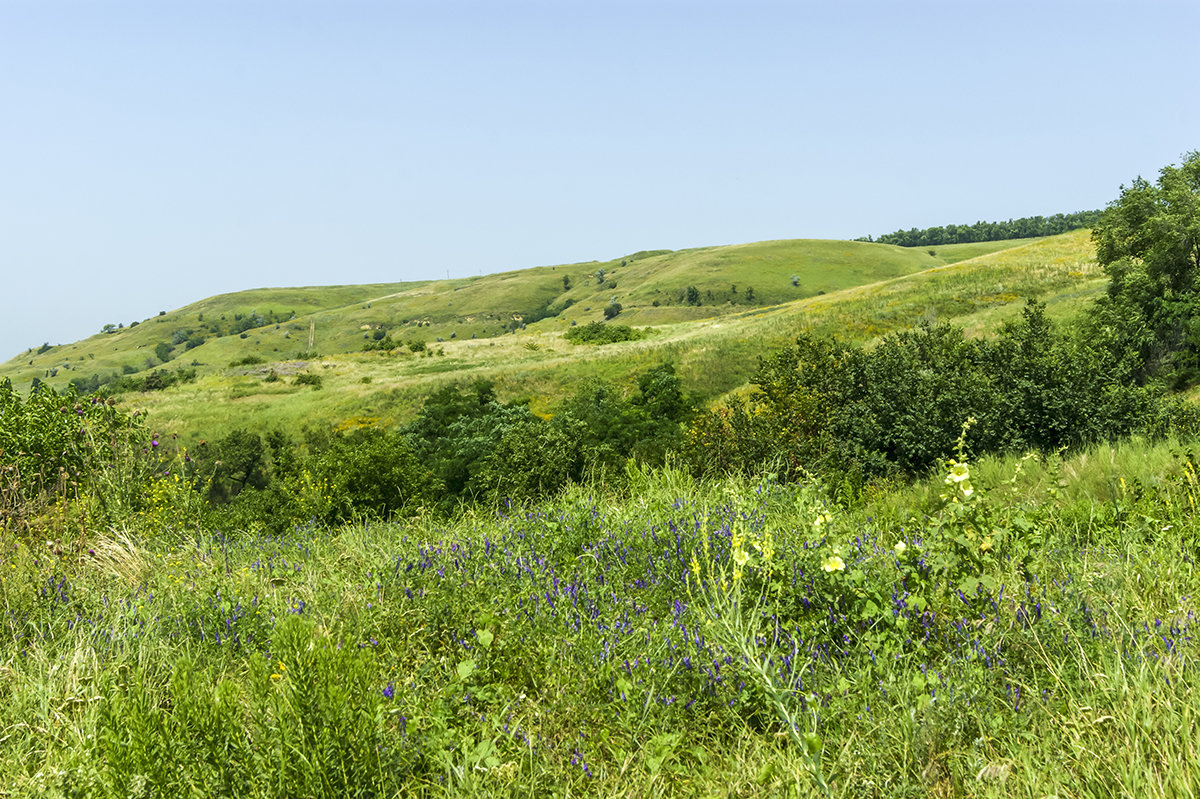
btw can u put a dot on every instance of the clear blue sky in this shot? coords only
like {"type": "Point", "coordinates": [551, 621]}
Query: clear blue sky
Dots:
{"type": "Point", "coordinates": [156, 152]}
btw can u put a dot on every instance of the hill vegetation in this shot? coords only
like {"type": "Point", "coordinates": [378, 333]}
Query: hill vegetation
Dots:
{"type": "Point", "coordinates": [651, 288]}
{"type": "Point", "coordinates": [231, 381]}
{"type": "Point", "coordinates": [943, 543]}
{"type": "Point", "coordinates": [1024, 228]}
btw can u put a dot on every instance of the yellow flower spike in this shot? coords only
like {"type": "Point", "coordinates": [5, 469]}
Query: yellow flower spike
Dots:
{"type": "Point", "coordinates": [766, 548]}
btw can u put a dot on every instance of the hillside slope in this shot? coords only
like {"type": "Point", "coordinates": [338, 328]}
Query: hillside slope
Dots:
{"type": "Point", "coordinates": [652, 287]}
{"type": "Point", "coordinates": [855, 289]}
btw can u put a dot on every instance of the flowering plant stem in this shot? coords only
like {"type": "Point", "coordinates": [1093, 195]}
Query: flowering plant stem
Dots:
{"type": "Point", "coordinates": [733, 626]}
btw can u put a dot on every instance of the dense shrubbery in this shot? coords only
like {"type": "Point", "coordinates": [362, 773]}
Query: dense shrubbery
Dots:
{"type": "Point", "coordinates": [59, 448]}
{"type": "Point", "coordinates": [483, 449]}
{"type": "Point", "coordinates": [1149, 244]}
{"type": "Point", "coordinates": [601, 333]}
{"type": "Point", "coordinates": [463, 446]}
{"type": "Point", "coordinates": [897, 408]}
{"type": "Point", "coordinates": [156, 380]}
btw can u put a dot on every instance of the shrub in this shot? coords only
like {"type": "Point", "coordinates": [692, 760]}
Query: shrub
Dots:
{"type": "Point", "coordinates": [62, 447]}
{"type": "Point", "coordinates": [374, 473]}
{"type": "Point", "coordinates": [898, 408]}
{"type": "Point", "coordinates": [600, 333]}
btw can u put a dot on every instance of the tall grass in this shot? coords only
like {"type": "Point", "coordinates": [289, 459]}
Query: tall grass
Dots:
{"type": "Point", "coordinates": [567, 648]}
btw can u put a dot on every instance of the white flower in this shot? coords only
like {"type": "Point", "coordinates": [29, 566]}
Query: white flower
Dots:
{"type": "Point", "coordinates": [899, 549]}
{"type": "Point", "coordinates": [959, 473]}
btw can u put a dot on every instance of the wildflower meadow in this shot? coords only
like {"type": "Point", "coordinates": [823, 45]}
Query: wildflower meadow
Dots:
{"type": "Point", "coordinates": [993, 635]}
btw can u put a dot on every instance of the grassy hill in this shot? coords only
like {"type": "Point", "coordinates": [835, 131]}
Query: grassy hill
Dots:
{"type": "Point", "coordinates": [249, 347]}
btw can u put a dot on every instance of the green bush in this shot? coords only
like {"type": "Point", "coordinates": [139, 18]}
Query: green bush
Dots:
{"type": "Point", "coordinates": [897, 408]}
{"type": "Point", "coordinates": [371, 473]}
{"type": "Point", "coordinates": [57, 447]}
{"type": "Point", "coordinates": [600, 333]}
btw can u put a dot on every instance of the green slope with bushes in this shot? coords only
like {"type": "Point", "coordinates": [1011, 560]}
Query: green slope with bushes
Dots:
{"type": "Point", "coordinates": [231, 380]}
{"type": "Point", "coordinates": [936, 539]}
{"type": "Point", "coordinates": [651, 288]}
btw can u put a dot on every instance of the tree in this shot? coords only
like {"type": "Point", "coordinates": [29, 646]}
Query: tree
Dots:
{"type": "Point", "coordinates": [1148, 241]}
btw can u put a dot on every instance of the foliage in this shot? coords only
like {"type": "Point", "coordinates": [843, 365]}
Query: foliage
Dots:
{"type": "Point", "coordinates": [897, 408]}
{"type": "Point", "coordinates": [155, 380]}
{"type": "Point", "coordinates": [372, 473]}
{"type": "Point", "coordinates": [1023, 228]}
{"type": "Point", "coordinates": [479, 448]}
{"type": "Point", "coordinates": [645, 426]}
{"type": "Point", "coordinates": [601, 333]}
{"type": "Point", "coordinates": [1148, 242]}
{"type": "Point", "coordinates": [56, 448]}
{"type": "Point", "coordinates": [987, 635]}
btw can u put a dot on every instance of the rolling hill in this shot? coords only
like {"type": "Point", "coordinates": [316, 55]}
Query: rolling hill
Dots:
{"type": "Point", "coordinates": [710, 310]}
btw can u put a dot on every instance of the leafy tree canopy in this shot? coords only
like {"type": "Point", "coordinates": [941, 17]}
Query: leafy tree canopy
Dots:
{"type": "Point", "coordinates": [1149, 244]}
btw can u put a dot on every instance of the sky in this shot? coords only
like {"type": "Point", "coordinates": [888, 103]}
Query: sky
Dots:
{"type": "Point", "coordinates": [157, 152]}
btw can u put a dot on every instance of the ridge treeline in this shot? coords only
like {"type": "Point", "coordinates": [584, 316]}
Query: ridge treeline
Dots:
{"type": "Point", "coordinates": [1027, 227]}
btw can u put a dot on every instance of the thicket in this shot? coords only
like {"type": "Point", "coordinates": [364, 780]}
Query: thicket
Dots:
{"type": "Point", "coordinates": [464, 446]}
{"type": "Point", "coordinates": [1149, 245]}
{"type": "Point", "coordinates": [823, 407]}
{"type": "Point", "coordinates": [155, 380]}
{"type": "Point", "coordinates": [601, 333]}
{"type": "Point", "coordinates": [61, 452]}
{"type": "Point", "coordinates": [895, 409]}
